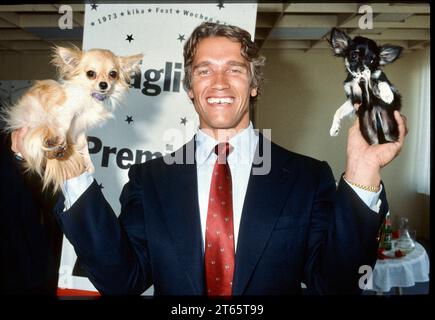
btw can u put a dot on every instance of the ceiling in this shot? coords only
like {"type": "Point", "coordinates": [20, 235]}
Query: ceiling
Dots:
{"type": "Point", "coordinates": [305, 26]}
{"type": "Point", "coordinates": [288, 26]}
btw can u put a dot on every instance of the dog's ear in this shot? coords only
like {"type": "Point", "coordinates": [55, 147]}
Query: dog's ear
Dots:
{"type": "Point", "coordinates": [339, 42]}
{"type": "Point", "coordinates": [67, 56]}
{"type": "Point", "coordinates": [131, 64]}
{"type": "Point", "coordinates": [66, 59]}
{"type": "Point", "coordinates": [388, 53]}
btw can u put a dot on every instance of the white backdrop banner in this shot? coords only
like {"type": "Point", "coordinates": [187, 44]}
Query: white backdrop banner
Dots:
{"type": "Point", "coordinates": [156, 117]}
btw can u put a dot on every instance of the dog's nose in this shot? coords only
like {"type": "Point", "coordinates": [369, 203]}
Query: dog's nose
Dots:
{"type": "Point", "coordinates": [103, 85]}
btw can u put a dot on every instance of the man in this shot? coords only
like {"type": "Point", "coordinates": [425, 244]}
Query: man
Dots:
{"type": "Point", "coordinates": [212, 226]}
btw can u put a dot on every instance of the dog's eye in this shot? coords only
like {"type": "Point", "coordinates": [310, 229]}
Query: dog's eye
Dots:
{"type": "Point", "coordinates": [113, 74]}
{"type": "Point", "coordinates": [354, 55]}
{"type": "Point", "coordinates": [91, 74]}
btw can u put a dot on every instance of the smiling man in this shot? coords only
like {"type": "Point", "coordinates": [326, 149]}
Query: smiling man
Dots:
{"type": "Point", "coordinates": [221, 85]}
{"type": "Point", "coordinates": [214, 227]}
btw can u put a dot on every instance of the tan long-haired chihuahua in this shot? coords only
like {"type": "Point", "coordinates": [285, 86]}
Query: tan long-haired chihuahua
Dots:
{"type": "Point", "coordinates": [58, 114]}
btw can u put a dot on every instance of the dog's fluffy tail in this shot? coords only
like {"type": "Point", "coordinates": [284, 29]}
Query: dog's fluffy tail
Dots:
{"type": "Point", "coordinates": [33, 140]}
{"type": "Point", "coordinates": [33, 149]}
{"type": "Point", "coordinates": [57, 170]}
{"type": "Point", "coordinates": [7, 120]}
{"type": "Point", "coordinates": [52, 171]}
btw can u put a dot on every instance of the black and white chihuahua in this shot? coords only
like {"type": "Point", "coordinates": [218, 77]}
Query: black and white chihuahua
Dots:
{"type": "Point", "coordinates": [367, 86]}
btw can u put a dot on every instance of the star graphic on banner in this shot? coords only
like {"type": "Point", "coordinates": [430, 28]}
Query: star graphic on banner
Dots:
{"type": "Point", "coordinates": [149, 10]}
{"type": "Point", "coordinates": [183, 121]}
{"type": "Point", "coordinates": [101, 186]}
{"type": "Point", "coordinates": [129, 119]}
{"type": "Point", "coordinates": [129, 38]}
{"type": "Point", "coordinates": [94, 7]}
{"type": "Point", "coordinates": [220, 5]}
{"type": "Point", "coordinates": [92, 23]}
{"type": "Point", "coordinates": [181, 37]}
{"type": "Point", "coordinates": [122, 13]}
{"type": "Point", "coordinates": [178, 11]}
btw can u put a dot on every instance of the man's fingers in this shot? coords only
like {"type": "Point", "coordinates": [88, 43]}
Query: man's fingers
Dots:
{"type": "Point", "coordinates": [14, 137]}
{"type": "Point", "coordinates": [22, 132]}
{"type": "Point", "coordinates": [405, 120]}
{"type": "Point", "coordinates": [401, 123]}
{"type": "Point", "coordinates": [17, 138]}
{"type": "Point", "coordinates": [355, 126]}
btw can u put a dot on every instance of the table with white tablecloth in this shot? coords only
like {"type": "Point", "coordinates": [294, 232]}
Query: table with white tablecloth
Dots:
{"type": "Point", "coordinates": [401, 272]}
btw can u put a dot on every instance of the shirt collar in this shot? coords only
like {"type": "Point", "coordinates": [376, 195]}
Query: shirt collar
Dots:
{"type": "Point", "coordinates": [244, 144]}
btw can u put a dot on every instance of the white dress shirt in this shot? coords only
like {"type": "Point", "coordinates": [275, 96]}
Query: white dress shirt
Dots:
{"type": "Point", "coordinates": [240, 162]}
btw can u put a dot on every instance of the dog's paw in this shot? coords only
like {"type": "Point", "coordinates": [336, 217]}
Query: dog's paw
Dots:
{"type": "Point", "coordinates": [335, 129]}
{"type": "Point", "coordinates": [385, 92]}
{"type": "Point", "coordinates": [55, 147]}
{"type": "Point", "coordinates": [57, 152]}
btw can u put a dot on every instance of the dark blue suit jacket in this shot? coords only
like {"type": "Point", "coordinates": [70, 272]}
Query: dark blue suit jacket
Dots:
{"type": "Point", "coordinates": [30, 239]}
{"type": "Point", "coordinates": [295, 227]}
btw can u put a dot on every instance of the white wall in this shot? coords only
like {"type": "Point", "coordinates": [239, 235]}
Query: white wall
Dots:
{"type": "Point", "coordinates": [302, 92]}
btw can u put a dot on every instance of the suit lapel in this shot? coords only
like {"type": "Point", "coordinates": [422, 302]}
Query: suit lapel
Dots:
{"type": "Point", "coordinates": [264, 200]}
{"type": "Point", "coordinates": [182, 217]}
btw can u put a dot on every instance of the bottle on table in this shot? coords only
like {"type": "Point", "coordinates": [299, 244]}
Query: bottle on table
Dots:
{"type": "Point", "coordinates": [386, 233]}
{"type": "Point", "coordinates": [405, 242]}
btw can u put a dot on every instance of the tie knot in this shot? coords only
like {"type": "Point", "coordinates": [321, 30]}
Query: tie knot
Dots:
{"type": "Point", "coordinates": [223, 149]}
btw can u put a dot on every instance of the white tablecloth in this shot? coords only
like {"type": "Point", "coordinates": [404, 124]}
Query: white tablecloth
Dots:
{"type": "Point", "coordinates": [402, 272]}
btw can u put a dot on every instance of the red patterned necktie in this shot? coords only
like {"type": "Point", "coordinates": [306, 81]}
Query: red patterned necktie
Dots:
{"type": "Point", "coordinates": [219, 234]}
